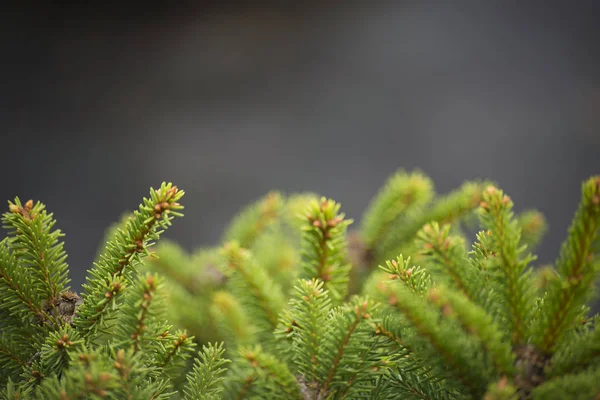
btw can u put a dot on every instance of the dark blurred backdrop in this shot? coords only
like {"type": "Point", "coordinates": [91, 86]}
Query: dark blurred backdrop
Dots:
{"type": "Point", "coordinates": [231, 101]}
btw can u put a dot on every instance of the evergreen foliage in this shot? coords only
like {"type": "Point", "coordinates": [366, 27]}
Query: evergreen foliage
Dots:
{"type": "Point", "coordinates": [111, 343]}
{"type": "Point", "coordinates": [400, 308]}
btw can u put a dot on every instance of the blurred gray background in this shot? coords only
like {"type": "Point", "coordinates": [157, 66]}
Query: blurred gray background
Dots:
{"type": "Point", "coordinates": [228, 102]}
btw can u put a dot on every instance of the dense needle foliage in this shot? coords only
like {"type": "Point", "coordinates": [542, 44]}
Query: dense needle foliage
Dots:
{"type": "Point", "coordinates": [304, 305]}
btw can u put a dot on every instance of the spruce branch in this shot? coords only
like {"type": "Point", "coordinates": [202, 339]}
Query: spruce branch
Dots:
{"type": "Point", "coordinates": [447, 252]}
{"type": "Point", "coordinates": [345, 345]}
{"type": "Point", "coordinates": [504, 240]}
{"type": "Point", "coordinates": [309, 309]}
{"type": "Point", "coordinates": [575, 266]}
{"type": "Point", "coordinates": [477, 323]}
{"type": "Point", "coordinates": [273, 378]}
{"type": "Point", "coordinates": [437, 337]}
{"type": "Point", "coordinates": [447, 209]}
{"type": "Point", "coordinates": [324, 247]}
{"type": "Point", "coordinates": [205, 381]}
{"type": "Point", "coordinates": [253, 220]}
{"type": "Point", "coordinates": [17, 295]}
{"type": "Point", "coordinates": [232, 321]}
{"type": "Point", "coordinates": [415, 278]}
{"type": "Point", "coordinates": [533, 227]}
{"type": "Point", "coordinates": [38, 247]}
{"type": "Point", "coordinates": [261, 297]}
{"type": "Point", "coordinates": [402, 191]}
{"type": "Point", "coordinates": [125, 252]}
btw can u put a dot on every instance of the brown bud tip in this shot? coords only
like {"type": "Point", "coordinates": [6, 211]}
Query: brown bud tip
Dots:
{"type": "Point", "coordinates": [150, 280]}
{"type": "Point", "coordinates": [483, 205]}
{"type": "Point", "coordinates": [108, 295]}
{"type": "Point", "coordinates": [393, 277]}
{"type": "Point", "coordinates": [15, 209]}
{"type": "Point", "coordinates": [491, 189]}
{"type": "Point", "coordinates": [289, 329]}
{"type": "Point", "coordinates": [505, 200]}
{"type": "Point", "coordinates": [176, 343]}
{"type": "Point", "coordinates": [316, 223]}
{"type": "Point", "coordinates": [596, 200]}
{"type": "Point", "coordinates": [157, 215]}
{"type": "Point", "coordinates": [409, 272]}
{"type": "Point", "coordinates": [29, 204]}
{"type": "Point", "coordinates": [395, 263]}
{"type": "Point", "coordinates": [157, 207]}
{"type": "Point", "coordinates": [183, 336]}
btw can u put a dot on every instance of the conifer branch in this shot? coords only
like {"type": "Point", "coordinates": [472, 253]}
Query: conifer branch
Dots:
{"type": "Point", "coordinates": [16, 295]}
{"type": "Point", "coordinates": [253, 287]}
{"type": "Point", "coordinates": [231, 320]}
{"type": "Point", "coordinates": [575, 266]}
{"type": "Point", "coordinates": [496, 215]}
{"type": "Point", "coordinates": [344, 326]}
{"type": "Point", "coordinates": [533, 227]}
{"type": "Point", "coordinates": [477, 323]}
{"type": "Point", "coordinates": [178, 344]}
{"type": "Point", "coordinates": [443, 338]}
{"type": "Point", "coordinates": [125, 251]}
{"type": "Point", "coordinates": [279, 383]}
{"type": "Point", "coordinates": [415, 278]}
{"type": "Point", "coordinates": [447, 209]}
{"type": "Point", "coordinates": [253, 220]}
{"type": "Point", "coordinates": [309, 312]}
{"type": "Point", "coordinates": [38, 247]}
{"type": "Point", "coordinates": [447, 252]}
{"type": "Point", "coordinates": [324, 247]}
{"type": "Point", "coordinates": [206, 379]}
{"type": "Point", "coordinates": [402, 192]}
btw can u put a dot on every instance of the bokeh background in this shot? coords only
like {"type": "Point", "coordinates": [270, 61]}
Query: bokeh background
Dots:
{"type": "Point", "coordinates": [230, 101]}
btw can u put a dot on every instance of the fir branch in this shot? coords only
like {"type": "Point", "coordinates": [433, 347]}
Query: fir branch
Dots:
{"type": "Point", "coordinates": [253, 220]}
{"type": "Point", "coordinates": [447, 252]}
{"type": "Point", "coordinates": [261, 297]}
{"type": "Point", "coordinates": [504, 236]}
{"type": "Point", "coordinates": [576, 268]}
{"type": "Point", "coordinates": [125, 251]}
{"type": "Point", "coordinates": [38, 247]}
{"type": "Point", "coordinates": [401, 192]}
{"type": "Point", "coordinates": [324, 247]}
{"type": "Point", "coordinates": [206, 379]}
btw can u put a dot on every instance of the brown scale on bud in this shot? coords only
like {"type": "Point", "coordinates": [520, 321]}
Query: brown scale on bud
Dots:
{"type": "Point", "coordinates": [596, 199]}
{"type": "Point", "coordinates": [317, 223]}
{"type": "Point", "coordinates": [484, 205]}
{"type": "Point", "coordinates": [15, 209]}
{"type": "Point", "coordinates": [157, 216]}
{"type": "Point", "coordinates": [393, 277]}
{"type": "Point", "coordinates": [408, 272]}
{"type": "Point", "coordinates": [506, 200]}
{"type": "Point", "coordinates": [29, 205]}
